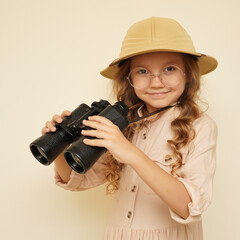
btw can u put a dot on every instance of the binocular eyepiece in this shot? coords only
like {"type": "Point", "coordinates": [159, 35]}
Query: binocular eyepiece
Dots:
{"type": "Point", "coordinates": [79, 156]}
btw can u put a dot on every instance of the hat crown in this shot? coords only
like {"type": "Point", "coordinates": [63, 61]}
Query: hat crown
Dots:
{"type": "Point", "coordinates": [156, 33]}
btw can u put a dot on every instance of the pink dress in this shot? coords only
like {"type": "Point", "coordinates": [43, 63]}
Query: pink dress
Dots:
{"type": "Point", "coordinates": [139, 214]}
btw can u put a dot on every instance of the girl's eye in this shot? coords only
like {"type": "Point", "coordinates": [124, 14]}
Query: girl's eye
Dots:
{"type": "Point", "coordinates": [142, 71]}
{"type": "Point", "coordinates": [169, 69]}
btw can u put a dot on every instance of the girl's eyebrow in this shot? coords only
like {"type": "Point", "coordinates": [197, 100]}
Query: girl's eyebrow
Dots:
{"type": "Point", "coordinates": [146, 65]}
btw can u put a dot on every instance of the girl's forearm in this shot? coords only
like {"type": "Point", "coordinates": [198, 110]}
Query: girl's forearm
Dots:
{"type": "Point", "coordinates": [168, 188]}
{"type": "Point", "coordinates": [63, 168]}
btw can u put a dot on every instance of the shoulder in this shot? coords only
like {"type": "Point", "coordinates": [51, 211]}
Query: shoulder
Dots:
{"type": "Point", "coordinates": [204, 120]}
{"type": "Point", "coordinates": [205, 128]}
{"type": "Point", "coordinates": [202, 123]}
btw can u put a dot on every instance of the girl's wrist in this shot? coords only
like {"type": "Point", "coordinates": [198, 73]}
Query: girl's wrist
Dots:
{"type": "Point", "coordinates": [136, 157]}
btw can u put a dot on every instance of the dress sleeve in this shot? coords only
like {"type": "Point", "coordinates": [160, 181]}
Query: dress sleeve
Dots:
{"type": "Point", "coordinates": [78, 182]}
{"type": "Point", "coordinates": [198, 170]}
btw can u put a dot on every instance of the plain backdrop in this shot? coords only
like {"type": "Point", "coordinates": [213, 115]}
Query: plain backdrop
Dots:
{"type": "Point", "coordinates": [51, 52]}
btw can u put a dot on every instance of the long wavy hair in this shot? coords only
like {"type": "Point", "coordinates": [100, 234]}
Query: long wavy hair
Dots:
{"type": "Point", "coordinates": [182, 126]}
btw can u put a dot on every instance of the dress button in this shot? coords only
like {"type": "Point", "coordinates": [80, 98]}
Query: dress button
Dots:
{"type": "Point", "coordinates": [129, 214]}
{"type": "Point", "coordinates": [168, 158]}
{"type": "Point", "coordinates": [144, 135]}
{"type": "Point", "coordinates": [134, 188]}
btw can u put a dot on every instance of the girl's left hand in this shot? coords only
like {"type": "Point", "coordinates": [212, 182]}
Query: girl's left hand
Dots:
{"type": "Point", "coordinates": [108, 135]}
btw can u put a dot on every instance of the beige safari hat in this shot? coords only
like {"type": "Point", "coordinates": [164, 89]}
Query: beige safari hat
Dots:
{"type": "Point", "coordinates": [157, 34]}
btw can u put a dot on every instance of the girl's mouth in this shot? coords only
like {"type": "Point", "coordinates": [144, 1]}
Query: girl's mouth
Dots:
{"type": "Point", "coordinates": [157, 94]}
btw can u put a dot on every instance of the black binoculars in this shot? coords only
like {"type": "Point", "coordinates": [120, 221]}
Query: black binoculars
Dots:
{"type": "Point", "coordinates": [79, 156]}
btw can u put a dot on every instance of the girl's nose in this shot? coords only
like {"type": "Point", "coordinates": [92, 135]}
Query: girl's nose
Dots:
{"type": "Point", "coordinates": [156, 81]}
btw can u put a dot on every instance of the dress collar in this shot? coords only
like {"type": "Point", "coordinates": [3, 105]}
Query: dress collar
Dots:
{"type": "Point", "coordinates": [172, 113]}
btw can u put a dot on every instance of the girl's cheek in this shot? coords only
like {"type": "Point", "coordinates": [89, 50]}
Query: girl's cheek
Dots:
{"type": "Point", "coordinates": [139, 93]}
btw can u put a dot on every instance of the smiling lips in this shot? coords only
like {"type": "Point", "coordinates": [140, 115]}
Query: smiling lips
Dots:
{"type": "Point", "coordinates": [157, 94]}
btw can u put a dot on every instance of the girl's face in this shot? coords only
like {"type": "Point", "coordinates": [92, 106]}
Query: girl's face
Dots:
{"type": "Point", "coordinates": [158, 78]}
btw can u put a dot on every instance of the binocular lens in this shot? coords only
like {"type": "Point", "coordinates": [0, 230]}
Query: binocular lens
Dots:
{"type": "Point", "coordinates": [74, 162]}
{"type": "Point", "coordinates": [39, 153]}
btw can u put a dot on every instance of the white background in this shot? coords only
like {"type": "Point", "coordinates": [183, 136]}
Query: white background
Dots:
{"type": "Point", "coordinates": [51, 52]}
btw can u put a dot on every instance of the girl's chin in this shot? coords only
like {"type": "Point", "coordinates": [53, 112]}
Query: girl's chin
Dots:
{"type": "Point", "coordinates": [154, 107]}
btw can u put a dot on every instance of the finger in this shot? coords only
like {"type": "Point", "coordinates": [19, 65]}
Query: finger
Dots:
{"type": "Point", "coordinates": [45, 130]}
{"type": "Point", "coordinates": [96, 125]}
{"type": "Point", "coordinates": [95, 133]}
{"type": "Point", "coordinates": [50, 125]}
{"type": "Point", "coordinates": [101, 119]}
{"type": "Point", "coordinates": [94, 142]}
{"type": "Point", "coordinates": [103, 126]}
{"type": "Point", "coordinates": [66, 113]}
{"type": "Point", "coordinates": [57, 119]}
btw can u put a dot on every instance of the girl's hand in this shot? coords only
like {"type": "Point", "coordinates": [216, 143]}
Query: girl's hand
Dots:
{"type": "Point", "coordinates": [50, 125]}
{"type": "Point", "coordinates": [108, 135]}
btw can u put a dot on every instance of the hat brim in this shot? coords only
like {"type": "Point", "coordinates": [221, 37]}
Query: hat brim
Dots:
{"type": "Point", "coordinates": [206, 63]}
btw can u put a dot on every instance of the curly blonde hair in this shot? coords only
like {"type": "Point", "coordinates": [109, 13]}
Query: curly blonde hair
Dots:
{"type": "Point", "coordinates": [182, 126]}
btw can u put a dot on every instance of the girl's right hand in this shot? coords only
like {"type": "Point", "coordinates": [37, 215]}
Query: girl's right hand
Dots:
{"type": "Point", "coordinates": [50, 125]}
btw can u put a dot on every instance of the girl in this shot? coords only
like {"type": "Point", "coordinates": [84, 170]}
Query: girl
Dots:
{"type": "Point", "coordinates": [161, 168]}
